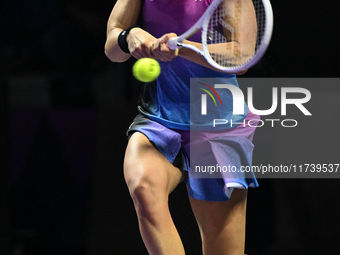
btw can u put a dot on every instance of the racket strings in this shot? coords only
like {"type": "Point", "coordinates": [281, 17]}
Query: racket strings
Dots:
{"type": "Point", "coordinates": [234, 34]}
{"type": "Point", "coordinates": [261, 21]}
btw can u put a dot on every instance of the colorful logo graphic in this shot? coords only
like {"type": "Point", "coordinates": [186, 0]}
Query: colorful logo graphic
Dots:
{"type": "Point", "coordinates": [204, 98]}
{"type": "Point", "coordinates": [238, 98]}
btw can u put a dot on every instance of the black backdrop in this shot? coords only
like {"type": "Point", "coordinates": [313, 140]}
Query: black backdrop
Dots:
{"type": "Point", "coordinates": [65, 109]}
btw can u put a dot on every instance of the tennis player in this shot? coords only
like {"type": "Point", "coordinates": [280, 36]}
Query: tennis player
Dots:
{"type": "Point", "coordinates": [156, 158]}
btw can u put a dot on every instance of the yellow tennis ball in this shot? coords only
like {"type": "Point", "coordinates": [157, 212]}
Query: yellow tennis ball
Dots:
{"type": "Point", "coordinates": [146, 69]}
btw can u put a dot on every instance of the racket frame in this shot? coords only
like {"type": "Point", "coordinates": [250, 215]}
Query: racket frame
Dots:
{"type": "Point", "coordinates": [203, 22]}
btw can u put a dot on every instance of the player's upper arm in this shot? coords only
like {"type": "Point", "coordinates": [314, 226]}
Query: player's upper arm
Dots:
{"type": "Point", "coordinates": [124, 14]}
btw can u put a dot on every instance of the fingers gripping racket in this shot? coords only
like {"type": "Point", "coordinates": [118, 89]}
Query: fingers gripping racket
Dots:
{"type": "Point", "coordinates": [235, 33]}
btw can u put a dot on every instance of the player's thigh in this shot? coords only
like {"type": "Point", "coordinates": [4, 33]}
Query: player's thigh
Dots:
{"type": "Point", "coordinates": [222, 224]}
{"type": "Point", "coordinates": [145, 165]}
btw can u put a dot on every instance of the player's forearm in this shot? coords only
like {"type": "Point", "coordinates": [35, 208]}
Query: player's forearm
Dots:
{"type": "Point", "coordinates": [124, 14]}
{"type": "Point", "coordinates": [198, 58]}
{"type": "Point", "coordinates": [112, 49]}
{"type": "Point", "coordinates": [194, 56]}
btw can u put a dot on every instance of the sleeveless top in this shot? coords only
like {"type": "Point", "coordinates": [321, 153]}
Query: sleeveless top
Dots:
{"type": "Point", "coordinates": [167, 99]}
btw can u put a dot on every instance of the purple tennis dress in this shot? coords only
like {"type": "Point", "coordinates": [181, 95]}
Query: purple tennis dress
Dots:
{"type": "Point", "coordinates": [164, 108]}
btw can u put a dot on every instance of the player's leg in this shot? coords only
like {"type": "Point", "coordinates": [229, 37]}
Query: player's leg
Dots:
{"type": "Point", "coordinates": [150, 178]}
{"type": "Point", "coordinates": [222, 224]}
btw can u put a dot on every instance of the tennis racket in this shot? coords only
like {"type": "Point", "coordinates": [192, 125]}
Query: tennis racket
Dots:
{"type": "Point", "coordinates": [235, 33]}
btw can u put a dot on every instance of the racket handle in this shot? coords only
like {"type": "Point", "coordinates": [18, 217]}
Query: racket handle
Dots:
{"type": "Point", "coordinates": [173, 43]}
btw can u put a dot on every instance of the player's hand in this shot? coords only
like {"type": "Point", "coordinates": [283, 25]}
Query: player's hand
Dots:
{"type": "Point", "coordinates": [140, 43]}
{"type": "Point", "coordinates": [161, 51]}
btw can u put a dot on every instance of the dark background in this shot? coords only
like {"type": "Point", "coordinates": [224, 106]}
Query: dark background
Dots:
{"type": "Point", "coordinates": [65, 109]}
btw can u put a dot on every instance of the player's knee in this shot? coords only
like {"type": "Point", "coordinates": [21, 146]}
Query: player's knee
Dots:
{"type": "Point", "coordinates": [142, 194]}
{"type": "Point", "coordinates": [146, 198]}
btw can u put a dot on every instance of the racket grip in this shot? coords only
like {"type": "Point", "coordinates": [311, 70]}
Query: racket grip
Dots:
{"type": "Point", "coordinates": [173, 43]}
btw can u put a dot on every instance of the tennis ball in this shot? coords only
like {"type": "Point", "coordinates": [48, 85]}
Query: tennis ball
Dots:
{"type": "Point", "coordinates": [146, 69]}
